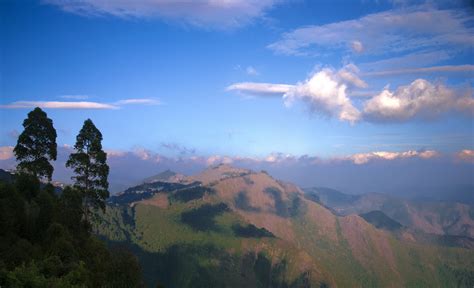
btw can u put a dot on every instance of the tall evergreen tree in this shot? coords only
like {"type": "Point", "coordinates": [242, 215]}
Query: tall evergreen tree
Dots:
{"type": "Point", "coordinates": [36, 145]}
{"type": "Point", "coordinates": [90, 166]}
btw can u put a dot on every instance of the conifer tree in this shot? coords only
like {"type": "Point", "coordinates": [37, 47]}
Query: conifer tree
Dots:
{"type": "Point", "coordinates": [89, 163]}
{"type": "Point", "coordinates": [36, 145]}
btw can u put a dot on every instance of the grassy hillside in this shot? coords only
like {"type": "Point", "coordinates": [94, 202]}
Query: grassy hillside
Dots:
{"type": "Point", "coordinates": [246, 229]}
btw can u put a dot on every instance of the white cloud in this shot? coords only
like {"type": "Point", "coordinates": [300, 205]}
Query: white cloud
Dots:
{"type": "Point", "coordinates": [143, 101]}
{"type": "Point", "coordinates": [58, 105]}
{"type": "Point", "coordinates": [78, 104]}
{"type": "Point", "coordinates": [260, 89]}
{"type": "Point", "coordinates": [6, 152]}
{"type": "Point", "coordinates": [420, 99]}
{"type": "Point", "coordinates": [362, 158]}
{"type": "Point", "coordinates": [394, 31]}
{"type": "Point", "coordinates": [218, 14]}
{"type": "Point", "coordinates": [251, 71]}
{"type": "Point", "coordinates": [446, 68]}
{"type": "Point", "coordinates": [328, 92]}
{"type": "Point", "coordinates": [325, 92]}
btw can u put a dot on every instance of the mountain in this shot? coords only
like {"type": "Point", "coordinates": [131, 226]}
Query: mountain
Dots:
{"type": "Point", "coordinates": [381, 221]}
{"type": "Point", "coordinates": [433, 217]}
{"type": "Point", "coordinates": [6, 176]}
{"type": "Point", "coordinates": [230, 227]}
{"type": "Point", "coordinates": [166, 176]}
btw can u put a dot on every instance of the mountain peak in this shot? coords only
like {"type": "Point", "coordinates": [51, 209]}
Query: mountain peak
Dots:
{"type": "Point", "coordinates": [166, 176]}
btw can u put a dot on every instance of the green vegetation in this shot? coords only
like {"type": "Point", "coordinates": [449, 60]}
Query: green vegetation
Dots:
{"type": "Point", "coordinates": [381, 221]}
{"type": "Point", "coordinates": [45, 238]}
{"type": "Point", "coordinates": [251, 231]}
{"type": "Point", "coordinates": [90, 166]}
{"type": "Point", "coordinates": [202, 218]}
{"type": "Point", "coordinates": [36, 145]}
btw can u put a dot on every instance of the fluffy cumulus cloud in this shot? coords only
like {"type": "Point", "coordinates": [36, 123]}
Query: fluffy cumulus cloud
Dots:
{"type": "Point", "coordinates": [395, 31]}
{"type": "Point", "coordinates": [418, 99]}
{"type": "Point", "coordinates": [203, 13]}
{"type": "Point", "coordinates": [329, 92]}
{"type": "Point", "coordinates": [325, 92]}
{"type": "Point", "coordinates": [78, 104]}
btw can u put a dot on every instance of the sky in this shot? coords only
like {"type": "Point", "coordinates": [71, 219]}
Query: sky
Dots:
{"type": "Point", "coordinates": [267, 81]}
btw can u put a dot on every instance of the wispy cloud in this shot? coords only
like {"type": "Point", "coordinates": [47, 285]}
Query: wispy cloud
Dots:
{"type": "Point", "coordinates": [202, 13]}
{"type": "Point", "coordinates": [58, 105]}
{"type": "Point", "coordinates": [395, 31]}
{"type": "Point", "coordinates": [140, 101]}
{"type": "Point", "coordinates": [180, 149]}
{"type": "Point", "coordinates": [466, 155]}
{"type": "Point", "coordinates": [75, 97]}
{"type": "Point", "coordinates": [422, 70]}
{"type": "Point", "coordinates": [78, 104]}
{"type": "Point", "coordinates": [250, 70]}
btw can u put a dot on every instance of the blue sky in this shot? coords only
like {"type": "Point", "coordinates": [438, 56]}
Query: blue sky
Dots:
{"type": "Point", "coordinates": [186, 79]}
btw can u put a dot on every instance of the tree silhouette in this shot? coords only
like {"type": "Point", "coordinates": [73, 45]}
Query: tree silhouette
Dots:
{"type": "Point", "coordinates": [36, 145]}
{"type": "Point", "coordinates": [90, 166]}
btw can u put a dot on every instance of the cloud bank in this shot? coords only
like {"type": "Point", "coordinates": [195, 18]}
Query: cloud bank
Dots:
{"type": "Point", "coordinates": [363, 172]}
{"type": "Point", "coordinates": [202, 13]}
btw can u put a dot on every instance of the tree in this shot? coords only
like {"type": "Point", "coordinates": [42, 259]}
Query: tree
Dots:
{"type": "Point", "coordinates": [90, 166]}
{"type": "Point", "coordinates": [36, 145]}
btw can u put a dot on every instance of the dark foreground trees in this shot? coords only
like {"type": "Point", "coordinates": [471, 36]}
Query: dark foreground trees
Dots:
{"type": "Point", "coordinates": [36, 145]}
{"type": "Point", "coordinates": [89, 163]}
{"type": "Point", "coordinates": [45, 238]}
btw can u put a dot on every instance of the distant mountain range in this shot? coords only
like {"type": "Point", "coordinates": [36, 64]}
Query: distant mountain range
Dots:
{"type": "Point", "coordinates": [229, 227]}
{"type": "Point", "coordinates": [434, 217]}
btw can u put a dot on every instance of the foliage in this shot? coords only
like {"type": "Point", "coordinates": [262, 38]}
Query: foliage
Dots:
{"type": "Point", "coordinates": [45, 242]}
{"type": "Point", "coordinates": [36, 145]}
{"type": "Point", "coordinates": [251, 231]}
{"type": "Point", "coordinates": [89, 163]}
{"type": "Point", "coordinates": [202, 218]}
{"type": "Point", "coordinates": [45, 238]}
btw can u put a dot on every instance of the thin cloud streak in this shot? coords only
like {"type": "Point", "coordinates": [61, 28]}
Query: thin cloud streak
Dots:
{"type": "Point", "coordinates": [58, 105]}
{"type": "Point", "coordinates": [261, 89]}
{"type": "Point", "coordinates": [78, 104]}
{"type": "Point", "coordinates": [446, 68]}
{"type": "Point", "coordinates": [144, 101]}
